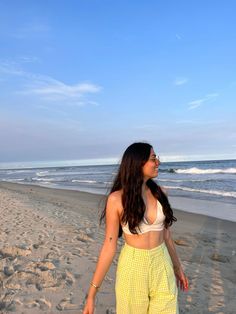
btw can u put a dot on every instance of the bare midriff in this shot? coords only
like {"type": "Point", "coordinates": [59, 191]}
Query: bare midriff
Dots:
{"type": "Point", "coordinates": [148, 240]}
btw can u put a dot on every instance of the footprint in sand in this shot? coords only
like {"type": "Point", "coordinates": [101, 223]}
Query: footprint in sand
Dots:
{"type": "Point", "coordinates": [84, 237]}
{"type": "Point", "coordinates": [42, 304]}
{"type": "Point", "coordinates": [66, 304]}
{"type": "Point", "coordinates": [9, 305]}
{"type": "Point", "coordinates": [8, 270]}
{"type": "Point", "coordinates": [219, 258]}
{"type": "Point", "coordinates": [13, 251]}
{"type": "Point", "coordinates": [181, 242]}
{"type": "Point", "coordinates": [111, 310]}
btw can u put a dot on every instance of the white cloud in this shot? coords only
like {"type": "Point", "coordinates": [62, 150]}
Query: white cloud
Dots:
{"type": "Point", "coordinates": [180, 81]}
{"type": "Point", "coordinates": [179, 37]}
{"type": "Point", "coordinates": [198, 102]}
{"type": "Point", "coordinates": [52, 87]}
{"type": "Point", "coordinates": [10, 68]}
{"type": "Point", "coordinates": [47, 88]}
{"type": "Point", "coordinates": [28, 59]}
{"type": "Point", "coordinates": [31, 30]}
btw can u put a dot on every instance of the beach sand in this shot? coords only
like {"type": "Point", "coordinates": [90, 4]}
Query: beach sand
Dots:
{"type": "Point", "coordinates": [50, 240]}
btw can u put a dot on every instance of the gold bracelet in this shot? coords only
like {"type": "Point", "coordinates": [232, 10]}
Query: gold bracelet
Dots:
{"type": "Point", "coordinates": [92, 284]}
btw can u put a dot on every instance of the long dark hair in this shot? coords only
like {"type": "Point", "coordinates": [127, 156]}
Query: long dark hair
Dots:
{"type": "Point", "coordinates": [130, 179]}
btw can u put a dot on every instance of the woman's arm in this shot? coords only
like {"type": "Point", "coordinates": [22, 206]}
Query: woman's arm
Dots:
{"type": "Point", "coordinates": [171, 249]}
{"type": "Point", "coordinates": [108, 249]}
{"type": "Point", "coordinates": [182, 280]}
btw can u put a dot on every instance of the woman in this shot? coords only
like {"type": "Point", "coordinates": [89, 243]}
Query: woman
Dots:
{"type": "Point", "coordinates": [148, 270]}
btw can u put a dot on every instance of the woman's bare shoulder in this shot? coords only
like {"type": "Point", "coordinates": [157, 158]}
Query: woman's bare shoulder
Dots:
{"type": "Point", "coordinates": [115, 197]}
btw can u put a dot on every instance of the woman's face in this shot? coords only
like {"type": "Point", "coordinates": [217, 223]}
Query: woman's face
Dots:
{"type": "Point", "coordinates": [150, 168]}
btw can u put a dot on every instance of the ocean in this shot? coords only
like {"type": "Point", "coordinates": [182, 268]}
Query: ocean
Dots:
{"type": "Point", "coordinates": [202, 180]}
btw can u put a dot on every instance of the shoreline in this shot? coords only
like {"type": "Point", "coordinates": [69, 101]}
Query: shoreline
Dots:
{"type": "Point", "coordinates": [178, 203]}
{"type": "Point", "coordinates": [50, 240]}
{"type": "Point", "coordinates": [95, 204]}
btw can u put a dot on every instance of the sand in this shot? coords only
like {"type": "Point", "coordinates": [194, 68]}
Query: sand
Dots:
{"type": "Point", "coordinates": [50, 240]}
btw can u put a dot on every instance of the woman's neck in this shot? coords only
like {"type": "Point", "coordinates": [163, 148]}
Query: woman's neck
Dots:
{"type": "Point", "coordinates": [144, 188]}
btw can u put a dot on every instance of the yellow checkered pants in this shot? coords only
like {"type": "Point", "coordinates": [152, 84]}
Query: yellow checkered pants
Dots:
{"type": "Point", "coordinates": [145, 282]}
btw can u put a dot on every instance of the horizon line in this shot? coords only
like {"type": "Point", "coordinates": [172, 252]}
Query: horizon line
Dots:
{"type": "Point", "coordinates": [86, 162]}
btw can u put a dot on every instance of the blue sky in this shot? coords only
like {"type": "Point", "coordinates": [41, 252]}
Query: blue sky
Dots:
{"type": "Point", "coordinates": [83, 79]}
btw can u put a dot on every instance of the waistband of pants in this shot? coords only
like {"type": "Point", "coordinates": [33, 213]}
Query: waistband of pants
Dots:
{"type": "Point", "coordinates": [144, 252]}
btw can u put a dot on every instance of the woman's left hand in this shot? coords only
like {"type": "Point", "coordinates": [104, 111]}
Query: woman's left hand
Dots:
{"type": "Point", "coordinates": [182, 280]}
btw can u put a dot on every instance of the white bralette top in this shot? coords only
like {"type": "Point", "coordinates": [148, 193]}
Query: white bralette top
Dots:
{"type": "Point", "coordinates": [144, 226]}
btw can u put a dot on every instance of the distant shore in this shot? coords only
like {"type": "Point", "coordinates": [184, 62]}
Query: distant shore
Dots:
{"type": "Point", "coordinates": [50, 240]}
